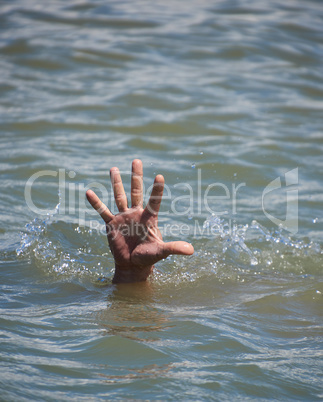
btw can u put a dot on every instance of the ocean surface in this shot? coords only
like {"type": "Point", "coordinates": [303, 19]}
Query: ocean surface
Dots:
{"type": "Point", "coordinates": [225, 99]}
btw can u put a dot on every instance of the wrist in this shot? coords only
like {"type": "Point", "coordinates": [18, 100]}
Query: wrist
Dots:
{"type": "Point", "coordinates": [131, 274]}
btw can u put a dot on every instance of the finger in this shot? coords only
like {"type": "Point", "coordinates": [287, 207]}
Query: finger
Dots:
{"type": "Point", "coordinates": [119, 193]}
{"type": "Point", "coordinates": [136, 184]}
{"type": "Point", "coordinates": [177, 247]}
{"type": "Point", "coordinates": [99, 206]}
{"type": "Point", "coordinates": [156, 195]}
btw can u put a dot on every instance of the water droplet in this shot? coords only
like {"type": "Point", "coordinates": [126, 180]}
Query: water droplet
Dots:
{"type": "Point", "coordinates": [201, 152]}
{"type": "Point", "coordinates": [193, 165]}
{"type": "Point", "coordinates": [315, 220]}
{"type": "Point", "coordinates": [102, 281]}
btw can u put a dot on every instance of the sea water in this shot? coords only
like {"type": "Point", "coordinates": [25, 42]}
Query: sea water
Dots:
{"type": "Point", "coordinates": [224, 99]}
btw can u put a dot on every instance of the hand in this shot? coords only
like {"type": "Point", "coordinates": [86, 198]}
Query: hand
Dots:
{"type": "Point", "coordinates": [133, 235]}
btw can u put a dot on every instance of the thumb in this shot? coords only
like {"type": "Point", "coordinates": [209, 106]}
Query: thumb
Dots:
{"type": "Point", "coordinates": [178, 247]}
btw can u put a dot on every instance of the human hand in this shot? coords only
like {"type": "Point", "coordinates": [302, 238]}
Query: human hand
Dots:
{"type": "Point", "coordinates": [133, 235]}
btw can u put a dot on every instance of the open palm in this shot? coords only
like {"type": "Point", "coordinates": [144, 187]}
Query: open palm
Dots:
{"type": "Point", "coordinates": [133, 235]}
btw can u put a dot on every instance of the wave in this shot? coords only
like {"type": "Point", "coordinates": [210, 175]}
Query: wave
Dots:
{"type": "Point", "coordinates": [235, 252]}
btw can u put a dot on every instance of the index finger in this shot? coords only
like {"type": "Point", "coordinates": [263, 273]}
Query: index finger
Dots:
{"type": "Point", "coordinates": [156, 195]}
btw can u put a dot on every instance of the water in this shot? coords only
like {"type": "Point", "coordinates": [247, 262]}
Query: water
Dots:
{"type": "Point", "coordinates": [203, 92]}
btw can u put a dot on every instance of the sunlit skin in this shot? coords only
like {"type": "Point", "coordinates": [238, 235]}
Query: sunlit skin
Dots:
{"type": "Point", "coordinates": [133, 235]}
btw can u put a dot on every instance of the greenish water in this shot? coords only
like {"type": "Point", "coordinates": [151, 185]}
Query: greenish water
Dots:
{"type": "Point", "coordinates": [226, 94]}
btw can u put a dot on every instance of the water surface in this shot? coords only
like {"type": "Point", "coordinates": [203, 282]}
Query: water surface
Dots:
{"type": "Point", "coordinates": [203, 92]}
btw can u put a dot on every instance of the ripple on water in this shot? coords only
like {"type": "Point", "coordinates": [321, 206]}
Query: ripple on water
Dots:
{"type": "Point", "coordinates": [238, 253]}
{"type": "Point", "coordinates": [88, 85]}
